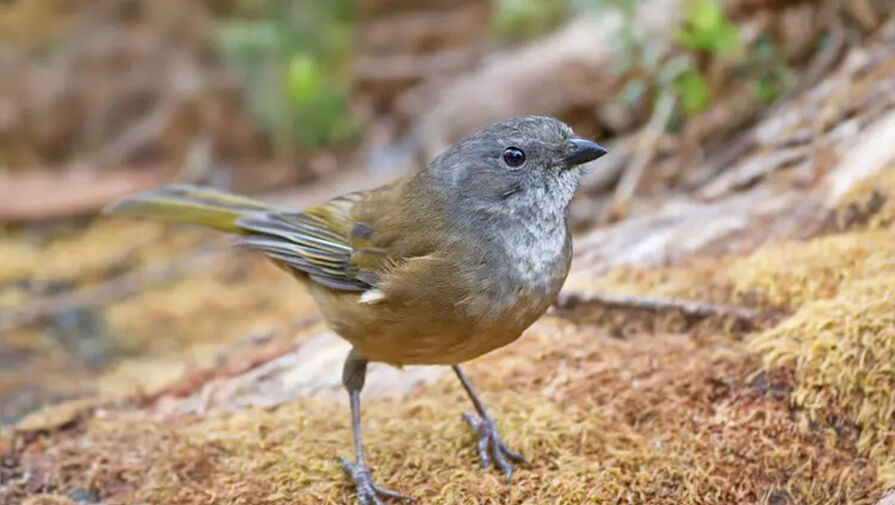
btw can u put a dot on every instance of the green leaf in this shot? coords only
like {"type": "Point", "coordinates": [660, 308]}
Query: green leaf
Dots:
{"type": "Point", "coordinates": [727, 40]}
{"type": "Point", "coordinates": [694, 91]}
{"type": "Point", "coordinates": [705, 15]}
{"type": "Point", "coordinates": [708, 29]}
{"type": "Point", "coordinates": [303, 78]}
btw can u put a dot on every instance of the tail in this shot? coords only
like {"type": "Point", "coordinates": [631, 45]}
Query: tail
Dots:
{"type": "Point", "coordinates": [183, 203]}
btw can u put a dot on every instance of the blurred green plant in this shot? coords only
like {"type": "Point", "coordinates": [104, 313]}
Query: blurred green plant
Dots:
{"type": "Point", "coordinates": [706, 33]}
{"type": "Point", "coordinates": [771, 75]}
{"type": "Point", "coordinates": [293, 57]}
{"type": "Point", "coordinates": [516, 20]}
{"type": "Point", "coordinates": [708, 29]}
{"type": "Point", "coordinates": [705, 30]}
{"type": "Point", "coordinates": [693, 90]}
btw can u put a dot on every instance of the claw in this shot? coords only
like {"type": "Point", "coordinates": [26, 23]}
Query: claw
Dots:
{"type": "Point", "coordinates": [367, 491]}
{"type": "Point", "coordinates": [491, 447]}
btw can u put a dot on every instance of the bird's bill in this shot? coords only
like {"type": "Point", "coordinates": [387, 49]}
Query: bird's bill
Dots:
{"type": "Point", "coordinates": [583, 151]}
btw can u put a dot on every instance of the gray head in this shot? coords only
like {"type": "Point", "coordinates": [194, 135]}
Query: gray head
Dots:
{"type": "Point", "coordinates": [513, 166]}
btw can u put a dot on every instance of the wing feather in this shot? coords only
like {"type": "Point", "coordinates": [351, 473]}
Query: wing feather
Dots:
{"type": "Point", "coordinates": [316, 242]}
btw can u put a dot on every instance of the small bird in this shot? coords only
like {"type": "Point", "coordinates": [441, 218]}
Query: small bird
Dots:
{"type": "Point", "coordinates": [435, 268]}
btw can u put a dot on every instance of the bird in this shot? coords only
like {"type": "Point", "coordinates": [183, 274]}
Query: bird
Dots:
{"type": "Point", "coordinates": [434, 268]}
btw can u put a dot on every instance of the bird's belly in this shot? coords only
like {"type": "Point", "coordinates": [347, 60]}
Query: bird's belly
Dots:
{"type": "Point", "coordinates": [423, 333]}
{"type": "Point", "coordinates": [430, 343]}
{"type": "Point", "coordinates": [428, 339]}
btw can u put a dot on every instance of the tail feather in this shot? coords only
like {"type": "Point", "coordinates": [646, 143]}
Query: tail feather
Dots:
{"type": "Point", "coordinates": [184, 203]}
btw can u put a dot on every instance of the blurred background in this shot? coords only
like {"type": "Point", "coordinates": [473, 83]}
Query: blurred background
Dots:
{"type": "Point", "coordinates": [297, 101]}
{"type": "Point", "coordinates": [262, 95]}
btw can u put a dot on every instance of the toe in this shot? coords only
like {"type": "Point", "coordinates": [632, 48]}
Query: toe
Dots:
{"type": "Point", "coordinates": [514, 456]}
{"type": "Point", "coordinates": [472, 421]}
{"type": "Point", "coordinates": [500, 462]}
{"type": "Point", "coordinates": [368, 493]}
{"type": "Point", "coordinates": [508, 474]}
{"type": "Point", "coordinates": [491, 448]}
{"type": "Point", "coordinates": [484, 458]}
{"type": "Point", "coordinates": [347, 466]}
{"type": "Point", "coordinates": [392, 494]}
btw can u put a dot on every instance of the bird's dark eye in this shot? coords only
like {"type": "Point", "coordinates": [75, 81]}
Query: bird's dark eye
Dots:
{"type": "Point", "coordinates": [513, 156]}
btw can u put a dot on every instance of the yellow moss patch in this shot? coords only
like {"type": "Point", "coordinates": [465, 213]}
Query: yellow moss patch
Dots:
{"type": "Point", "coordinates": [56, 416]}
{"type": "Point", "coordinates": [788, 274]}
{"type": "Point", "coordinates": [88, 253]}
{"type": "Point", "coordinates": [700, 279]}
{"type": "Point", "coordinates": [233, 299]}
{"type": "Point", "coordinates": [660, 419]}
{"type": "Point", "coordinates": [870, 203]}
{"type": "Point", "coordinates": [843, 351]}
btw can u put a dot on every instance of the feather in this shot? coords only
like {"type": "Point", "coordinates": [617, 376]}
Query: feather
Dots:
{"type": "Point", "coordinates": [317, 242]}
{"type": "Point", "coordinates": [371, 296]}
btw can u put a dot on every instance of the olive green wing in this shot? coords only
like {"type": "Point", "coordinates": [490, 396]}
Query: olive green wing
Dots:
{"type": "Point", "coordinates": [324, 243]}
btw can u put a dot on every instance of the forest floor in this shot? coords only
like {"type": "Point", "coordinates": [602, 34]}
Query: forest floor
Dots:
{"type": "Point", "coordinates": [732, 343]}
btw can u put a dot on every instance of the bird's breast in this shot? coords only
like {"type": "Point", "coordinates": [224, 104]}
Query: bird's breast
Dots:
{"type": "Point", "coordinates": [533, 254]}
{"type": "Point", "coordinates": [524, 268]}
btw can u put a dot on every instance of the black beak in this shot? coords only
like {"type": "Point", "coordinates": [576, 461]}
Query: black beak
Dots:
{"type": "Point", "coordinates": [582, 151]}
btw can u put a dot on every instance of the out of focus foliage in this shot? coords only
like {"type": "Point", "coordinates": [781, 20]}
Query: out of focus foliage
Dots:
{"type": "Point", "coordinates": [293, 58]}
{"type": "Point", "coordinates": [707, 36]}
{"type": "Point", "coordinates": [516, 20]}
{"type": "Point", "coordinates": [526, 19]}
{"type": "Point", "coordinates": [708, 29]}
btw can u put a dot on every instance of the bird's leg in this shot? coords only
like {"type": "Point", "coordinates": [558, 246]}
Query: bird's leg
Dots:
{"type": "Point", "coordinates": [491, 446]}
{"type": "Point", "coordinates": [368, 493]}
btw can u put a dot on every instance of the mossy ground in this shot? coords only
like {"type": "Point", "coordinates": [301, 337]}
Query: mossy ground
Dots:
{"type": "Point", "coordinates": [654, 418]}
{"type": "Point", "coordinates": [621, 409]}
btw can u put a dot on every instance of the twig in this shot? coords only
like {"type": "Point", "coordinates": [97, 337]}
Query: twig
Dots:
{"type": "Point", "coordinates": [123, 286]}
{"type": "Point", "coordinates": [568, 300]}
{"type": "Point", "coordinates": [642, 156]}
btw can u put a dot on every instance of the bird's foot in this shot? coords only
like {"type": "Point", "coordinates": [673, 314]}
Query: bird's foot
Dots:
{"type": "Point", "coordinates": [368, 493]}
{"type": "Point", "coordinates": [491, 446]}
